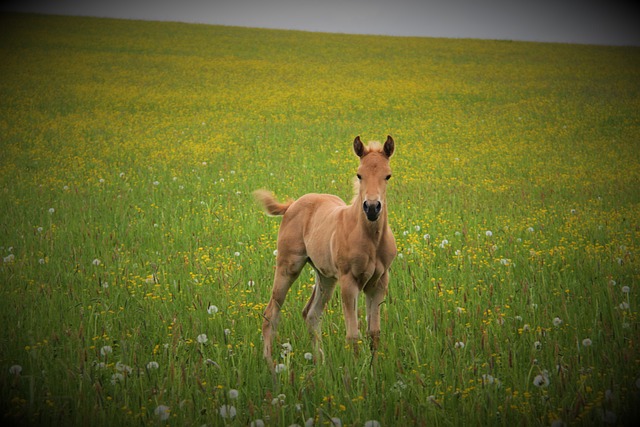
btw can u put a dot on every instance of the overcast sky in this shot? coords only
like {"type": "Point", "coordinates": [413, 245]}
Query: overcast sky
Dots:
{"type": "Point", "coordinates": [609, 22]}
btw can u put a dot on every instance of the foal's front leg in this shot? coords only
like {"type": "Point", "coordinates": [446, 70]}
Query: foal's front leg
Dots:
{"type": "Point", "coordinates": [374, 297]}
{"type": "Point", "coordinates": [349, 292]}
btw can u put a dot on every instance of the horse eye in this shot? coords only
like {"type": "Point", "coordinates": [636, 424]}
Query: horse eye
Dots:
{"type": "Point", "coordinates": [359, 176]}
{"type": "Point", "coordinates": [388, 177]}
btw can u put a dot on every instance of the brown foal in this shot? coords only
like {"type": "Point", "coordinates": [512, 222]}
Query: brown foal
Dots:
{"type": "Point", "coordinates": [347, 244]}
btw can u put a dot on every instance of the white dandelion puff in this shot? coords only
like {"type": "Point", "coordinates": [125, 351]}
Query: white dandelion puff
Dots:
{"type": "Point", "coordinates": [488, 233]}
{"type": "Point", "coordinates": [541, 380]}
{"type": "Point", "coordinates": [162, 412]}
{"type": "Point", "coordinates": [280, 368]}
{"type": "Point", "coordinates": [15, 370]}
{"type": "Point", "coordinates": [212, 309]}
{"type": "Point", "coordinates": [152, 365]}
{"type": "Point", "coordinates": [233, 393]}
{"type": "Point", "coordinates": [557, 321]}
{"type": "Point", "coordinates": [586, 342]}
{"type": "Point", "coordinates": [121, 367]}
{"type": "Point", "coordinates": [227, 411]}
{"type": "Point", "coordinates": [287, 348]}
{"type": "Point", "coordinates": [117, 378]}
{"type": "Point", "coordinates": [106, 350]}
{"type": "Point", "coordinates": [202, 338]}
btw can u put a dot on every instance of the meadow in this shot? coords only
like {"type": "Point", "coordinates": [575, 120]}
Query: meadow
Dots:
{"type": "Point", "coordinates": [135, 264]}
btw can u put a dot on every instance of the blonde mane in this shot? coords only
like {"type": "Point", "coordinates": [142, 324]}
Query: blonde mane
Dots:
{"type": "Point", "coordinates": [373, 147]}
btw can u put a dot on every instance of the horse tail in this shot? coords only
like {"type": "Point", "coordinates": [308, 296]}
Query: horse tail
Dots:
{"type": "Point", "coordinates": [270, 204]}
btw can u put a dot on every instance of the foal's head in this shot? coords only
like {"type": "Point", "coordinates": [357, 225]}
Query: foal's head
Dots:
{"type": "Point", "coordinates": [373, 174]}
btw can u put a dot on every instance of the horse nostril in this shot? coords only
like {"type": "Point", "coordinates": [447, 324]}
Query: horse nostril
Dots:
{"type": "Point", "coordinates": [372, 209]}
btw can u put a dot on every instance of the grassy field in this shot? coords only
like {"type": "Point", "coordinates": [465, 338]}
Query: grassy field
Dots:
{"type": "Point", "coordinates": [135, 264]}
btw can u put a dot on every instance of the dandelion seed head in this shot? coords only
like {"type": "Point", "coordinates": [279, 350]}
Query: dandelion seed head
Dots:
{"type": "Point", "coordinates": [488, 379]}
{"type": "Point", "coordinates": [152, 365]}
{"type": "Point", "coordinates": [557, 321]}
{"type": "Point", "coordinates": [625, 289]}
{"type": "Point", "coordinates": [15, 370]}
{"type": "Point", "coordinates": [257, 423]}
{"type": "Point", "coordinates": [280, 368]}
{"type": "Point", "coordinates": [541, 380]}
{"type": "Point", "coordinates": [586, 342]}
{"type": "Point", "coordinates": [212, 309]}
{"type": "Point", "coordinates": [372, 423]}
{"type": "Point", "coordinates": [117, 378]}
{"type": "Point", "coordinates": [233, 393]}
{"type": "Point", "coordinates": [162, 412]}
{"type": "Point", "coordinates": [106, 350]}
{"type": "Point", "coordinates": [121, 367]}
{"type": "Point", "coordinates": [488, 233]}
{"type": "Point", "coordinates": [227, 411]}
{"type": "Point", "coordinates": [202, 338]}
{"type": "Point", "coordinates": [308, 356]}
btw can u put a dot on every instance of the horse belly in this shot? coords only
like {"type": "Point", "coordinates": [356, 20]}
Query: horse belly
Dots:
{"type": "Point", "coordinates": [319, 238]}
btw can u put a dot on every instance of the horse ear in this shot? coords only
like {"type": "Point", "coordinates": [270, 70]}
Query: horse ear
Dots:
{"type": "Point", "coordinates": [358, 148]}
{"type": "Point", "coordinates": [389, 146]}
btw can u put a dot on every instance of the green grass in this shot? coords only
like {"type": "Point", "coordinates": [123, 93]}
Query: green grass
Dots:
{"type": "Point", "coordinates": [129, 154]}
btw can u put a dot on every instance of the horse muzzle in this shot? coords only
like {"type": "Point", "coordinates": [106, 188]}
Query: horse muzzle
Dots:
{"type": "Point", "coordinates": [372, 209]}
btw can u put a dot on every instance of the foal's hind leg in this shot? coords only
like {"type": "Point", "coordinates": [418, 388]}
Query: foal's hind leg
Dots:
{"type": "Point", "coordinates": [288, 269]}
{"type": "Point", "coordinates": [312, 312]}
